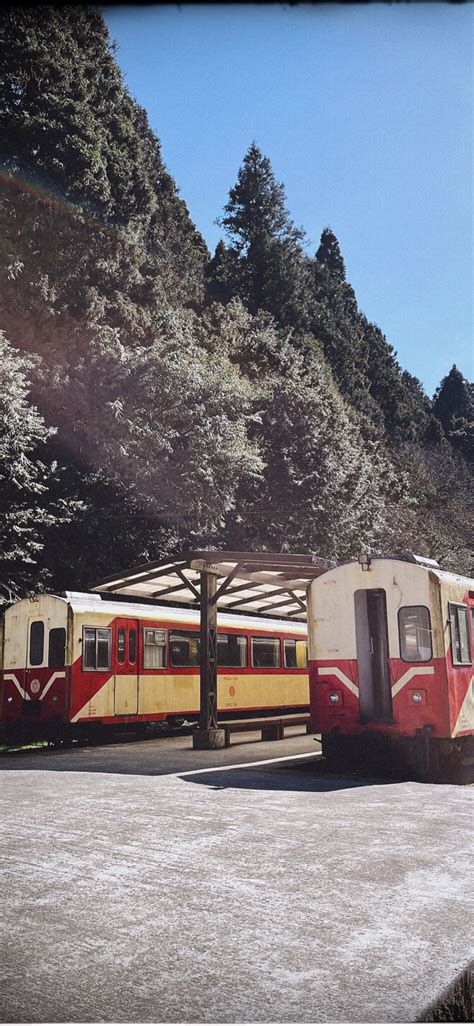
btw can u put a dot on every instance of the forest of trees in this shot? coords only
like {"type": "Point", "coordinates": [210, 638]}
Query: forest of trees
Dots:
{"type": "Point", "coordinates": [156, 397]}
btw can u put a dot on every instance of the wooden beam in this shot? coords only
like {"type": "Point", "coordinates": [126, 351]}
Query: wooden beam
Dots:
{"type": "Point", "coordinates": [240, 587]}
{"type": "Point", "coordinates": [225, 584]}
{"type": "Point", "coordinates": [258, 598]}
{"type": "Point", "coordinates": [255, 558]}
{"type": "Point", "coordinates": [208, 658]}
{"type": "Point", "coordinates": [276, 579]}
{"type": "Point", "coordinates": [290, 615]}
{"type": "Point", "coordinates": [189, 584]}
{"type": "Point", "coordinates": [167, 591]}
{"type": "Point", "coordinates": [298, 599]}
{"type": "Point", "coordinates": [129, 582]}
{"type": "Point", "coordinates": [270, 594]}
{"type": "Point", "coordinates": [276, 605]}
{"type": "Point", "coordinates": [157, 566]}
{"type": "Point", "coordinates": [283, 569]}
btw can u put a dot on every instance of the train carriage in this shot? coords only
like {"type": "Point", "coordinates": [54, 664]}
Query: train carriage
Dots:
{"type": "Point", "coordinates": [77, 662]}
{"type": "Point", "coordinates": [391, 673]}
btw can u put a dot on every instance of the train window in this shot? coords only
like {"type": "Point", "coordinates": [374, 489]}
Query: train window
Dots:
{"type": "Point", "coordinates": [231, 650]}
{"type": "Point", "coordinates": [121, 645]}
{"type": "Point", "coordinates": [459, 634]}
{"type": "Point", "coordinates": [88, 648]}
{"type": "Point", "coordinates": [104, 643]}
{"type": "Point", "coordinates": [96, 648]}
{"type": "Point", "coordinates": [154, 649]}
{"type": "Point", "coordinates": [295, 654]}
{"type": "Point", "coordinates": [414, 628]}
{"type": "Point", "coordinates": [132, 645]}
{"type": "Point", "coordinates": [185, 647]}
{"type": "Point", "coordinates": [266, 652]}
{"type": "Point", "coordinates": [57, 647]}
{"type": "Point", "coordinates": [36, 642]}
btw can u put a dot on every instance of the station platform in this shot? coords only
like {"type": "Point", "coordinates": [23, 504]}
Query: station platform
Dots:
{"type": "Point", "coordinates": [147, 882]}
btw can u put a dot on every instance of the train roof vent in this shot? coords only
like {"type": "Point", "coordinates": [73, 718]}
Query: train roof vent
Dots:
{"type": "Point", "coordinates": [432, 564]}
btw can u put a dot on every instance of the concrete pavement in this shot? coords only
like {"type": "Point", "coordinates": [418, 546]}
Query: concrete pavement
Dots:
{"type": "Point", "coordinates": [142, 885]}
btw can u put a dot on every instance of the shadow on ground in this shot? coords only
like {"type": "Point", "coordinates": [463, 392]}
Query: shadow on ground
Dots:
{"type": "Point", "coordinates": [303, 776]}
{"type": "Point", "coordinates": [243, 768]}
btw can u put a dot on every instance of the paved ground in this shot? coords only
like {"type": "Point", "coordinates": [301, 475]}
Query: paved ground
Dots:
{"type": "Point", "coordinates": [144, 886]}
{"type": "Point", "coordinates": [160, 756]}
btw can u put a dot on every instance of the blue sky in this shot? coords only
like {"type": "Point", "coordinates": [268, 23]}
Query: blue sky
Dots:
{"type": "Point", "coordinates": [366, 114]}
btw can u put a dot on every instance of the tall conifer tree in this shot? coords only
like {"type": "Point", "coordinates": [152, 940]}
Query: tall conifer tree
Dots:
{"type": "Point", "coordinates": [264, 265]}
{"type": "Point", "coordinates": [329, 255]}
{"type": "Point", "coordinates": [453, 405]}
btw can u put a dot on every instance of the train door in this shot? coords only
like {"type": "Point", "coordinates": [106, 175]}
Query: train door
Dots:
{"type": "Point", "coordinates": [126, 667]}
{"type": "Point", "coordinates": [373, 655]}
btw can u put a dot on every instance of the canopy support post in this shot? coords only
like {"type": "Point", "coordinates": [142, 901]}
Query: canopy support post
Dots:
{"type": "Point", "coordinates": [208, 735]}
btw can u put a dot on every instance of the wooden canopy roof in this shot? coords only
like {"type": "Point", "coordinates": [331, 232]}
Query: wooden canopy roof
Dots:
{"type": "Point", "coordinates": [264, 583]}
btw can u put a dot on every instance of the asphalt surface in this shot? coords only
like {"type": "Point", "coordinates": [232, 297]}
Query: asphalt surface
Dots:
{"type": "Point", "coordinates": [150, 883]}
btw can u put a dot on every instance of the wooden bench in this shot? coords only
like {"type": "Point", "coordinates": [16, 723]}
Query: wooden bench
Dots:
{"type": "Point", "coordinates": [272, 728]}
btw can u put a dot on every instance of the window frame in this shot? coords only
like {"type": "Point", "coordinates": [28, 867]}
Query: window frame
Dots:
{"type": "Point", "coordinates": [96, 669]}
{"type": "Point", "coordinates": [457, 606]}
{"type": "Point", "coordinates": [295, 642]}
{"type": "Point", "coordinates": [289, 641]}
{"type": "Point", "coordinates": [261, 637]}
{"type": "Point", "coordinates": [144, 646]}
{"type": "Point", "coordinates": [418, 662]}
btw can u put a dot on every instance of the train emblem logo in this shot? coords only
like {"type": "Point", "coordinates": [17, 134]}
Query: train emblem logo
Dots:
{"type": "Point", "coordinates": [35, 686]}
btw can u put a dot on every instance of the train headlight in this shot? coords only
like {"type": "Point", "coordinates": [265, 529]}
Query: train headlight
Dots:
{"type": "Point", "coordinates": [416, 697]}
{"type": "Point", "coordinates": [334, 699]}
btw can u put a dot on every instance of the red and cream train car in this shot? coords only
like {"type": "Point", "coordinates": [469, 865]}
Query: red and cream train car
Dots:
{"type": "Point", "coordinates": [71, 663]}
{"type": "Point", "coordinates": [391, 645]}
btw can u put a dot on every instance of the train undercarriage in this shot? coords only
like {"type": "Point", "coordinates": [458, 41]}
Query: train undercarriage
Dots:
{"type": "Point", "coordinates": [426, 758]}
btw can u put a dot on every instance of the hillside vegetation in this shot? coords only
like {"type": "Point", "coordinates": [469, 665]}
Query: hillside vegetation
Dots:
{"type": "Point", "coordinates": [155, 396]}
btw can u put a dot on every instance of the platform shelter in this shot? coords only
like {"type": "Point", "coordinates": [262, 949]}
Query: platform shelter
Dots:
{"type": "Point", "coordinates": [263, 583]}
